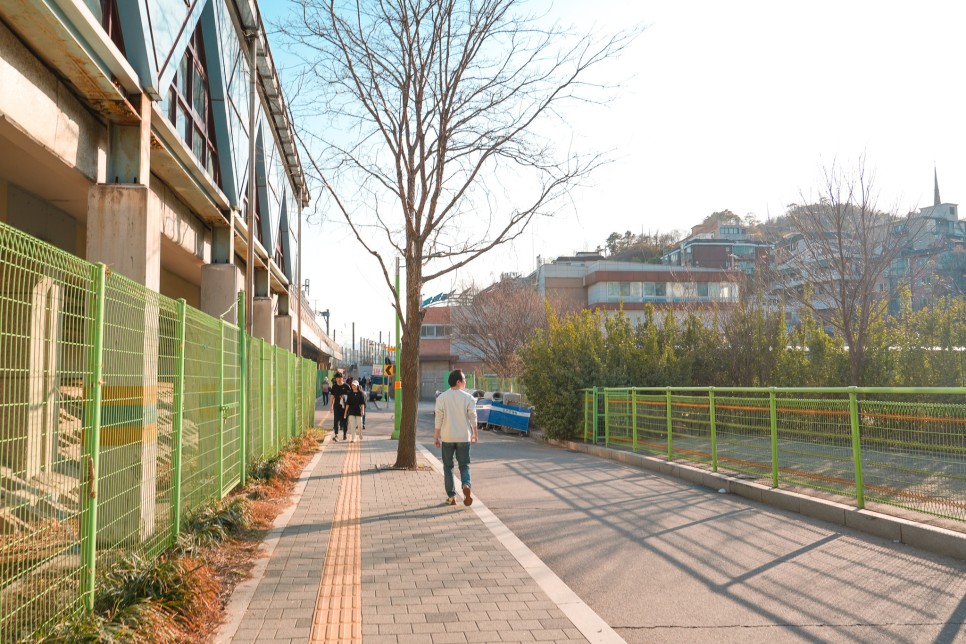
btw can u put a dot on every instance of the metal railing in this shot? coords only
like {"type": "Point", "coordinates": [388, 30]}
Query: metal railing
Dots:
{"type": "Point", "coordinates": [121, 410]}
{"type": "Point", "coordinates": [900, 447]}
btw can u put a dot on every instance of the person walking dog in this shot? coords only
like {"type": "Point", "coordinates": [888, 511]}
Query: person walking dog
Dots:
{"type": "Point", "coordinates": [455, 431]}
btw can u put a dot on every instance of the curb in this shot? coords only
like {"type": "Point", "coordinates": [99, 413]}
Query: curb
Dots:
{"type": "Point", "coordinates": [242, 594]}
{"type": "Point", "coordinates": [918, 535]}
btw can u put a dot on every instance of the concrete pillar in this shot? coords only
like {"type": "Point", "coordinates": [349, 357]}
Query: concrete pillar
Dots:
{"type": "Point", "coordinates": [263, 319]}
{"type": "Point", "coordinates": [220, 284]}
{"type": "Point", "coordinates": [29, 362]}
{"type": "Point", "coordinates": [283, 323]}
{"type": "Point", "coordinates": [283, 332]}
{"type": "Point", "coordinates": [124, 232]}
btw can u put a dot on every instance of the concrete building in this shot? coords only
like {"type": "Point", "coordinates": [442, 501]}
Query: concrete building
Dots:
{"type": "Point", "coordinates": [722, 245]}
{"type": "Point", "coordinates": [590, 282]}
{"type": "Point", "coordinates": [440, 352]}
{"type": "Point", "coordinates": [933, 260]}
{"type": "Point", "coordinates": [143, 134]}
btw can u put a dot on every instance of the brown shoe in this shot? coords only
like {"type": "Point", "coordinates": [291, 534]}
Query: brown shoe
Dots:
{"type": "Point", "coordinates": [451, 500]}
{"type": "Point", "coordinates": [467, 498]}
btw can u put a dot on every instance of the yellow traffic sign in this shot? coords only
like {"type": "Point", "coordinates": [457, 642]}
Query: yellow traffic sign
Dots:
{"type": "Point", "coordinates": [388, 370]}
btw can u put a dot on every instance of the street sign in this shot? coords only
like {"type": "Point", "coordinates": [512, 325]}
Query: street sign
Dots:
{"type": "Point", "coordinates": [388, 370]}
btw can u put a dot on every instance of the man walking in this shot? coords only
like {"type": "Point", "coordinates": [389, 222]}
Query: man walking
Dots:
{"type": "Point", "coordinates": [340, 393]}
{"type": "Point", "coordinates": [455, 430]}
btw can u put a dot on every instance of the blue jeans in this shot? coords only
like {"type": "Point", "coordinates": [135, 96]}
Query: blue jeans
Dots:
{"type": "Point", "coordinates": [462, 452]}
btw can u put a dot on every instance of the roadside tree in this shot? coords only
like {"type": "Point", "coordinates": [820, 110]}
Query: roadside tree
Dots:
{"type": "Point", "coordinates": [443, 133]}
{"type": "Point", "coordinates": [497, 321]}
{"type": "Point", "coordinates": [837, 268]}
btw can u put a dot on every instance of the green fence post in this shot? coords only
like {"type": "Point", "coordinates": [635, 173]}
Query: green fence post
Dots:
{"type": "Point", "coordinates": [593, 429]}
{"type": "Point", "coordinates": [669, 444]}
{"type": "Point", "coordinates": [266, 411]}
{"type": "Point", "coordinates": [856, 448]}
{"type": "Point", "coordinates": [606, 417]}
{"type": "Point", "coordinates": [634, 420]}
{"type": "Point", "coordinates": [92, 437]}
{"type": "Point", "coordinates": [773, 413]}
{"type": "Point", "coordinates": [243, 388]}
{"type": "Point", "coordinates": [221, 412]}
{"type": "Point", "coordinates": [714, 430]}
{"type": "Point", "coordinates": [177, 420]}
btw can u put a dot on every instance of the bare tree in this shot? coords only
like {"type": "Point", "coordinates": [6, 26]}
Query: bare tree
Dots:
{"type": "Point", "coordinates": [445, 128]}
{"type": "Point", "coordinates": [497, 321]}
{"type": "Point", "coordinates": [837, 266]}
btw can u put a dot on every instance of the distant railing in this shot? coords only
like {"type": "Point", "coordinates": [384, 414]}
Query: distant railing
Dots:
{"type": "Point", "coordinates": [900, 447]}
{"type": "Point", "coordinates": [121, 410]}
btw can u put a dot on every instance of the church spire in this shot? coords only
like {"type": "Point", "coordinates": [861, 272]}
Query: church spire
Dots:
{"type": "Point", "coordinates": [936, 199]}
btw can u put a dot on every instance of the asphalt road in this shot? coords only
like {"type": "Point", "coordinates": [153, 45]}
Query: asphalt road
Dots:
{"type": "Point", "coordinates": [661, 560]}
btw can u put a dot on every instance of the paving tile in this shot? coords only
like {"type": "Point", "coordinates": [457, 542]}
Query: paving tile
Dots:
{"type": "Point", "coordinates": [405, 585]}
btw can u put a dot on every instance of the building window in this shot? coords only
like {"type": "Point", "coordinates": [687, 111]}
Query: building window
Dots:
{"type": "Point", "coordinates": [258, 214]}
{"type": "Point", "coordinates": [434, 331]}
{"type": "Point", "coordinates": [111, 22]}
{"type": "Point", "coordinates": [279, 252]}
{"type": "Point", "coordinates": [702, 289]}
{"type": "Point", "coordinates": [189, 106]}
{"type": "Point", "coordinates": [624, 290]}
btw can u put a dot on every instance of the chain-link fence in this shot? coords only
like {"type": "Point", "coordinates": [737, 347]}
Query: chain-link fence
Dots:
{"type": "Point", "coordinates": [897, 447]}
{"type": "Point", "coordinates": [120, 411]}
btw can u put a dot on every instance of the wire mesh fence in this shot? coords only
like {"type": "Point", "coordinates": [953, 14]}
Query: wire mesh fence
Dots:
{"type": "Point", "coordinates": [896, 447]}
{"type": "Point", "coordinates": [121, 410]}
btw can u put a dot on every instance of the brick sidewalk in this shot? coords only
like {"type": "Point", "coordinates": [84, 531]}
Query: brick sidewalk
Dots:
{"type": "Point", "coordinates": [429, 572]}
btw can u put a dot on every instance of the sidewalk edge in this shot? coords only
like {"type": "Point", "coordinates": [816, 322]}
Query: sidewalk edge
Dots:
{"type": "Point", "coordinates": [583, 617]}
{"type": "Point", "coordinates": [241, 597]}
{"type": "Point", "coordinates": [922, 536]}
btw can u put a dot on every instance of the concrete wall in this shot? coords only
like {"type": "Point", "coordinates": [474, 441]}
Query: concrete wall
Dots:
{"type": "Point", "coordinates": [44, 221]}
{"type": "Point", "coordinates": [179, 225]}
{"type": "Point", "coordinates": [175, 287]}
{"type": "Point", "coordinates": [36, 102]}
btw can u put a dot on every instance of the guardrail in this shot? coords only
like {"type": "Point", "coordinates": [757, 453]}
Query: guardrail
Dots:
{"type": "Point", "coordinates": [901, 447]}
{"type": "Point", "coordinates": [120, 411]}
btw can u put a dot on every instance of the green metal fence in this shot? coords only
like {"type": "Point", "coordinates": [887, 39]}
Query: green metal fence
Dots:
{"type": "Point", "coordinates": [120, 411]}
{"type": "Point", "coordinates": [897, 447]}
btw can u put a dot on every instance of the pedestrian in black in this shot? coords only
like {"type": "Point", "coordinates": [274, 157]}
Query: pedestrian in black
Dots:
{"type": "Point", "coordinates": [340, 392]}
{"type": "Point", "coordinates": [355, 410]}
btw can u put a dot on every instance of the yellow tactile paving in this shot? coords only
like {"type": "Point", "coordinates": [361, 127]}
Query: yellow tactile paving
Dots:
{"type": "Point", "coordinates": [338, 609]}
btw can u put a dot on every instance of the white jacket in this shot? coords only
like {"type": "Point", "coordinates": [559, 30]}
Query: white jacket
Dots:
{"type": "Point", "coordinates": [455, 416]}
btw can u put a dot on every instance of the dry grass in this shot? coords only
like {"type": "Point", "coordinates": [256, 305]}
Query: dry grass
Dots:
{"type": "Point", "coordinates": [180, 598]}
{"type": "Point", "coordinates": [233, 561]}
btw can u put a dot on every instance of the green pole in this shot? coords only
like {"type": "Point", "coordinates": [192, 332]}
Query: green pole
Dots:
{"type": "Point", "coordinates": [243, 388]}
{"type": "Point", "coordinates": [178, 420]}
{"type": "Point", "coordinates": [773, 413]}
{"type": "Point", "coordinates": [593, 429]}
{"type": "Point", "coordinates": [634, 419]}
{"type": "Point", "coordinates": [670, 452]}
{"type": "Point", "coordinates": [221, 411]}
{"type": "Point", "coordinates": [397, 385]}
{"type": "Point", "coordinates": [92, 437]}
{"type": "Point", "coordinates": [856, 448]}
{"type": "Point", "coordinates": [714, 431]}
{"type": "Point", "coordinates": [606, 417]}
{"type": "Point", "coordinates": [266, 419]}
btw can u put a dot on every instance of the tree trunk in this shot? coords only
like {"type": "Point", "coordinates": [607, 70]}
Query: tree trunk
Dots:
{"type": "Point", "coordinates": [409, 368]}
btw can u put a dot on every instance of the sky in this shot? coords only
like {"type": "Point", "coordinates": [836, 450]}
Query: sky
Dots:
{"type": "Point", "coordinates": [722, 105]}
